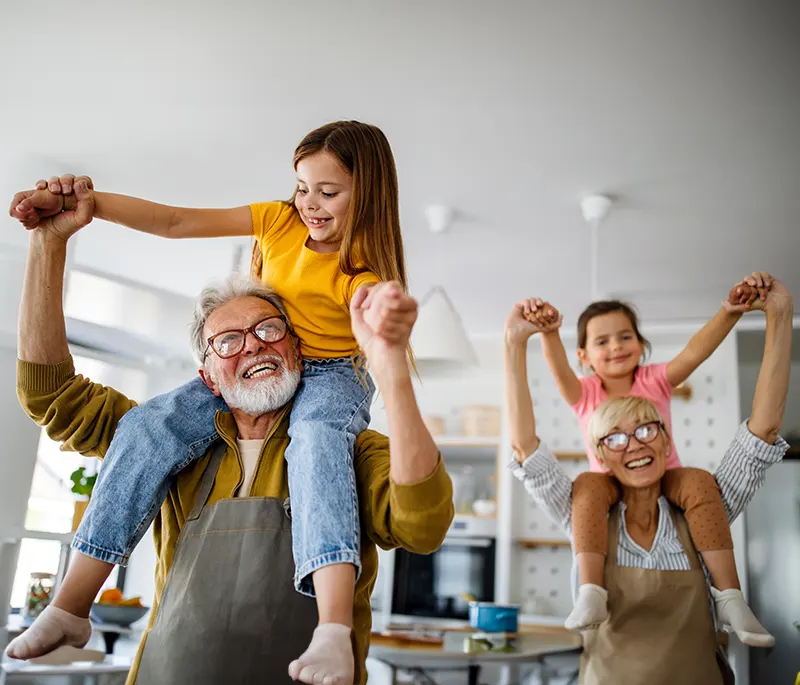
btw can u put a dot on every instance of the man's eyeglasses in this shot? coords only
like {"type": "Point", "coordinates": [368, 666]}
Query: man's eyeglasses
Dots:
{"type": "Point", "coordinates": [228, 344]}
{"type": "Point", "coordinates": [618, 441]}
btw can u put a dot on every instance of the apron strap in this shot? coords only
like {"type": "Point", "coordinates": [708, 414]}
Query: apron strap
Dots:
{"type": "Point", "coordinates": [613, 536]}
{"type": "Point", "coordinates": [686, 539]}
{"type": "Point", "coordinates": [210, 474]}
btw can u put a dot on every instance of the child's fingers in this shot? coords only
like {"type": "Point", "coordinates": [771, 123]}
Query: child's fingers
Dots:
{"type": "Point", "coordinates": [41, 184]}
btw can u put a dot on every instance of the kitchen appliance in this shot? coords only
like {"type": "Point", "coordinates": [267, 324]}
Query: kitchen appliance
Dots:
{"type": "Point", "coordinates": [773, 557]}
{"type": "Point", "coordinates": [434, 585]}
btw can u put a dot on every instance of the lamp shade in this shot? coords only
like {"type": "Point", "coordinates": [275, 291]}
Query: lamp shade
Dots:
{"type": "Point", "coordinates": [439, 339]}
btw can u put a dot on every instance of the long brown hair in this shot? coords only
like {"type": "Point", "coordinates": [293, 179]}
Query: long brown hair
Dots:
{"type": "Point", "coordinates": [371, 239]}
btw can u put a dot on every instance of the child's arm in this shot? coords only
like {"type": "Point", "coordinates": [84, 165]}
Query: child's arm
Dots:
{"type": "Point", "coordinates": [141, 215]}
{"type": "Point", "coordinates": [173, 222]}
{"type": "Point", "coordinates": [710, 336]}
{"type": "Point", "coordinates": [554, 353]}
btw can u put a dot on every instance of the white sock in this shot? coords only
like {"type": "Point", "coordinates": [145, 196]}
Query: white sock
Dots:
{"type": "Point", "coordinates": [591, 608]}
{"type": "Point", "coordinates": [734, 613]}
{"type": "Point", "coordinates": [51, 629]}
{"type": "Point", "coordinates": [328, 659]}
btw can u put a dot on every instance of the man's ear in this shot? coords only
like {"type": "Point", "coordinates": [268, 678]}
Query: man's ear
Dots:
{"type": "Point", "coordinates": [205, 375]}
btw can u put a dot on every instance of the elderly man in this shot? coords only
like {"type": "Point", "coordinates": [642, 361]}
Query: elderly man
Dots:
{"type": "Point", "coordinates": [225, 608]}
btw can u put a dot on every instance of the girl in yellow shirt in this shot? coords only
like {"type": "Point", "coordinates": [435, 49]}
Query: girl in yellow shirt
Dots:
{"type": "Point", "coordinates": [339, 232]}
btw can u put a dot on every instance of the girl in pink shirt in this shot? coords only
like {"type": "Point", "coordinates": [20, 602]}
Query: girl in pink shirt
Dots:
{"type": "Point", "coordinates": [611, 345]}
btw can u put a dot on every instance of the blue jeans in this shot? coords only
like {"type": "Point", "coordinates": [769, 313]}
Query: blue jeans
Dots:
{"type": "Point", "coordinates": [155, 440]}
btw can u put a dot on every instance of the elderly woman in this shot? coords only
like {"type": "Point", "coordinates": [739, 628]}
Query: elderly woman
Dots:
{"type": "Point", "coordinates": [661, 628]}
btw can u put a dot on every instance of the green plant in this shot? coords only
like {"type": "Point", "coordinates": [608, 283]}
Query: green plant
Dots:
{"type": "Point", "coordinates": [81, 483]}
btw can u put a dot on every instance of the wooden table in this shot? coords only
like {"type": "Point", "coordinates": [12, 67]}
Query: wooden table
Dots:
{"type": "Point", "coordinates": [530, 648]}
{"type": "Point", "coordinates": [16, 671]}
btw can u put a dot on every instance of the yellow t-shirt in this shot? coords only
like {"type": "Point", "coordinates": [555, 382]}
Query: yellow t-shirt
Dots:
{"type": "Point", "coordinates": [316, 292]}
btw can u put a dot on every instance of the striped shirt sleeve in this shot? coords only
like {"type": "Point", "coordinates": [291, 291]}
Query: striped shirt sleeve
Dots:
{"type": "Point", "coordinates": [743, 468]}
{"type": "Point", "coordinates": [547, 484]}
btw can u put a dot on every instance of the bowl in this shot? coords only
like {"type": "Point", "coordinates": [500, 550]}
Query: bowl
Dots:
{"type": "Point", "coordinates": [116, 614]}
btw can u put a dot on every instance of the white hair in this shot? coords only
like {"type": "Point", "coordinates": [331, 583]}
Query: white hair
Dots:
{"type": "Point", "coordinates": [216, 295]}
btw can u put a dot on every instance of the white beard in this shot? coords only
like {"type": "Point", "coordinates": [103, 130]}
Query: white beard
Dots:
{"type": "Point", "coordinates": [267, 396]}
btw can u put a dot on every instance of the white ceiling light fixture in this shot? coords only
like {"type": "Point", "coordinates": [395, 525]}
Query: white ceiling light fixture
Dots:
{"type": "Point", "coordinates": [439, 340]}
{"type": "Point", "coordinates": [439, 217]}
{"type": "Point", "coordinates": [595, 208]}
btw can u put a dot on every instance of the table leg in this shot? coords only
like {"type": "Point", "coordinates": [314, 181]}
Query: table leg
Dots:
{"type": "Point", "coordinates": [544, 673]}
{"type": "Point", "coordinates": [110, 638]}
{"type": "Point", "coordinates": [510, 674]}
{"type": "Point", "coordinates": [473, 674]}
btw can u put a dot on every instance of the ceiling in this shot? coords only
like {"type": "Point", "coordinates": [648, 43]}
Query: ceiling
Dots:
{"type": "Point", "coordinates": [686, 111]}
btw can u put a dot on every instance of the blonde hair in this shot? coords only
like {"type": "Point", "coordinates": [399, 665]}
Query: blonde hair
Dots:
{"type": "Point", "coordinates": [616, 410]}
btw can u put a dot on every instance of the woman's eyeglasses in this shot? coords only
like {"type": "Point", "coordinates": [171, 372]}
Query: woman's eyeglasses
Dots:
{"type": "Point", "coordinates": [618, 441]}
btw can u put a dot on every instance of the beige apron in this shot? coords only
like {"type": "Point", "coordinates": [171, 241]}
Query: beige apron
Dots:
{"type": "Point", "coordinates": [660, 630]}
{"type": "Point", "coordinates": [229, 612]}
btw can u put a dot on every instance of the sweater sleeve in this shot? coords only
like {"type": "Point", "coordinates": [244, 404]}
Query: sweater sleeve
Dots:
{"type": "Point", "coordinates": [415, 517]}
{"type": "Point", "coordinates": [76, 412]}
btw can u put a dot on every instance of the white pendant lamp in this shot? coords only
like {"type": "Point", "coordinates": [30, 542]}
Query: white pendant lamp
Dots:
{"type": "Point", "coordinates": [439, 340]}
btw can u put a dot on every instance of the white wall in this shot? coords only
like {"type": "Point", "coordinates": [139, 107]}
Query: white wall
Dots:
{"type": "Point", "coordinates": [751, 347]}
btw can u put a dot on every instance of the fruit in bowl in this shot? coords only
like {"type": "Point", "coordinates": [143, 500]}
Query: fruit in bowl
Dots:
{"type": "Point", "coordinates": [112, 607]}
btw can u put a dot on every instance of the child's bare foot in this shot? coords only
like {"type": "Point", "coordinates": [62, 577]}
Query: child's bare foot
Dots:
{"type": "Point", "coordinates": [54, 627]}
{"type": "Point", "coordinates": [328, 659]}
{"type": "Point", "coordinates": [591, 608]}
{"type": "Point", "coordinates": [734, 613]}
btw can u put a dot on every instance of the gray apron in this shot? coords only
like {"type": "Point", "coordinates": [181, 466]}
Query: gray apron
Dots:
{"type": "Point", "coordinates": [229, 612]}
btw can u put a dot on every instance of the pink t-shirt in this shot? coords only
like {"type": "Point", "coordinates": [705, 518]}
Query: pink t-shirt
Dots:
{"type": "Point", "coordinates": [650, 382]}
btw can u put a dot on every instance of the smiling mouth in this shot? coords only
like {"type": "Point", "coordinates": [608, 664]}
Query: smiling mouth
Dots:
{"type": "Point", "coordinates": [639, 463]}
{"type": "Point", "coordinates": [317, 222]}
{"type": "Point", "coordinates": [259, 370]}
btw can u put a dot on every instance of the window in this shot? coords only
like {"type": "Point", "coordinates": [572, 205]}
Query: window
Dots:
{"type": "Point", "coordinates": [51, 504]}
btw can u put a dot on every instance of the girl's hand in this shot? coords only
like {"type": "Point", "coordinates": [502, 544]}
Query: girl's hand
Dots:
{"type": "Point", "coordinates": [546, 316]}
{"type": "Point", "coordinates": [531, 316]}
{"type": "Point", "coordinates": [741, 298]}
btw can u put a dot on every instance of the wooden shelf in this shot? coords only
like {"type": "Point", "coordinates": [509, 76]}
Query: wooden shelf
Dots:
{"type": "Point", "coordinates": [684, 391]}
{"type": "Point", "coordinates": [465, 441]}
{"type": "Point", "coordinates": [570, 456]}
{"type": "Point", "coordinates": [534, 543]}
